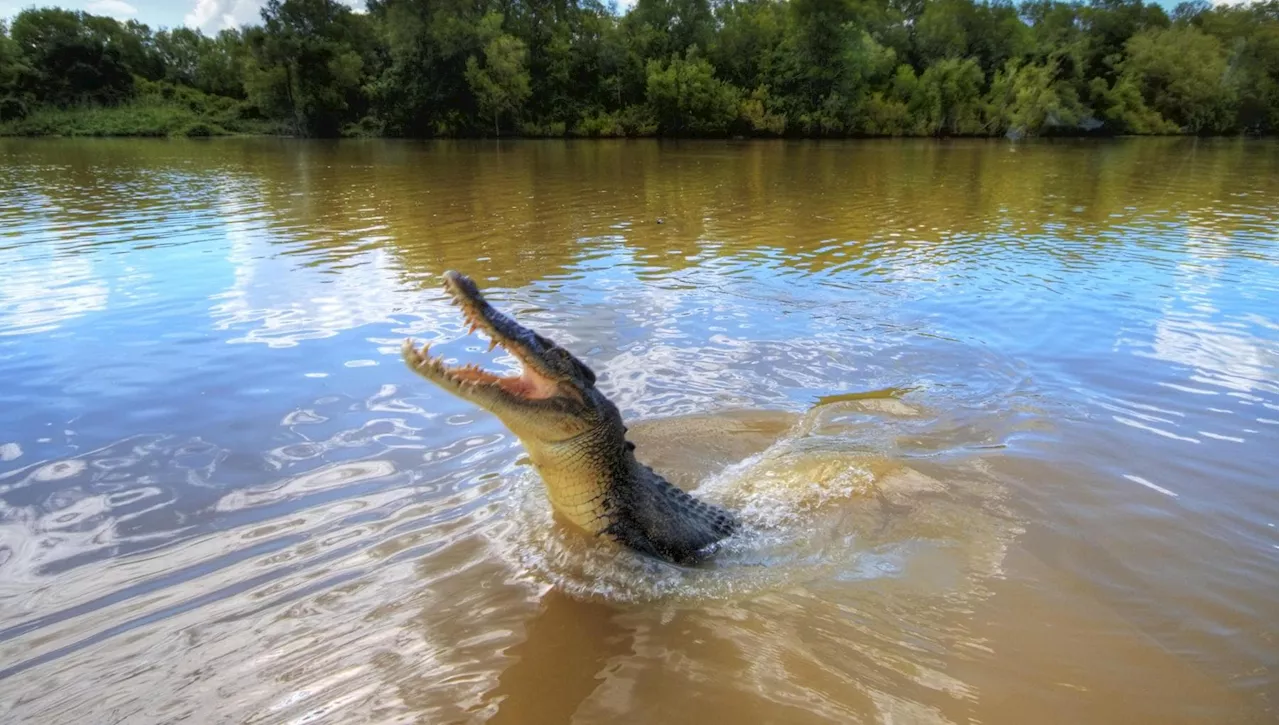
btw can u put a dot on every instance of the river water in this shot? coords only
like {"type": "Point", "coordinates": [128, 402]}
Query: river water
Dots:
{"type": "Point", "coordinates": [1000, 421]}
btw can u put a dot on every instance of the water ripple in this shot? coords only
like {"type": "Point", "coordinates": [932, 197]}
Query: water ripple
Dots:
{"type": "Point", "coordinates": [1000, 422]}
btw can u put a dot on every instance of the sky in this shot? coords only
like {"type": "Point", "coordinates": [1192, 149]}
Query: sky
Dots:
{"type": "Point", "coordinates": [207, 15]}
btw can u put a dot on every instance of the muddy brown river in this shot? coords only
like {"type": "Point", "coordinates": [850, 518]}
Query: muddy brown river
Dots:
{"type": "Point", "coordinates": [1000, 421]}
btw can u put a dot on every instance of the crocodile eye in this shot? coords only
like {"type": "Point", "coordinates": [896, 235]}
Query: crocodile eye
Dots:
{"type": "Point", "coordinates": [567, 364]}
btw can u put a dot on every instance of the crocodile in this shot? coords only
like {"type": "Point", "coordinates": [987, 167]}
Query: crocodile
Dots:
{"type": "Point", "coordinates": [575, 438]}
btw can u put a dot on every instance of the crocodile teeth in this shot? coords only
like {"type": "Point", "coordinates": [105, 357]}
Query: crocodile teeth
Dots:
{"type": "Point", "coordinates": [492, 344]}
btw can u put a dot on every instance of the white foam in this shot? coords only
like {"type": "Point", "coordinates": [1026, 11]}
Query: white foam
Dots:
{"type": "Point", "coordinates": [1150, 485]}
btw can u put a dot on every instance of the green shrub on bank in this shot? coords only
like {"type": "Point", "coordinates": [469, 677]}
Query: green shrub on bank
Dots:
{"type": "Point", "coordinates": [160, 109]}
{"type": "Point", "coordinates": [632, 121]}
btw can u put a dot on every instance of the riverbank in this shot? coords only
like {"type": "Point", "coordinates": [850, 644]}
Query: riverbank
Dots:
{"type": "Point", "coordinates": [145, 119]}
{"type": "Point", "coordinates": [151, 118]}
{"type": "Point", "coordinates": [175, 112]}
{"type": "Point", "coordinates": [157, 110]}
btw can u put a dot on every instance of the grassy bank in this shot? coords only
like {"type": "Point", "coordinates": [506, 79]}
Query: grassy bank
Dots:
{"type": "Point", "coordinates": [134, 119]}
{"type": "Point", "coordinates": [159, 110]}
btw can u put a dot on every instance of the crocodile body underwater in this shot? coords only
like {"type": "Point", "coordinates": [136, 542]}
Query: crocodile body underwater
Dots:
{"type": "Point", "coordinates": [575, 438]}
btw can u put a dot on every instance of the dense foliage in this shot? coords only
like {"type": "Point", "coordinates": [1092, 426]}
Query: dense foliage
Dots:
{"type": "Point", "coordinates": [671, 67]}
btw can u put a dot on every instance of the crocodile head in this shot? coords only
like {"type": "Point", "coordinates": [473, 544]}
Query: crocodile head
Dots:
{"type": "Point", "coordinates": [574, 437]}
{"type": "Point", "coordinates": [551, 402]}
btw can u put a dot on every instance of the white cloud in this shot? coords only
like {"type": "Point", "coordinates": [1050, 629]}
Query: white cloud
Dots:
{"type": "Point", "coordinates": [28, 302]}
{"type": "Point", "coordinates": [118, 9]}
{"type": "Point", "coordinates": [214, 15]}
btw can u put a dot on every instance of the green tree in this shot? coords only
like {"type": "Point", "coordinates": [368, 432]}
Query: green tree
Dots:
{"type": "Point", "coordinates": [745, 50]}
{"type": "Point", "coordinates": [992, 33]}
{"type": "Point", "coordinates": [687, 98]}
{"type": "Point", "coordinates": [13, 69]}
{"type": "Point", "coordinates": [678, 67]}
{"type": "Point", "coordinates": [1122, 109]}
{"type": "Point", "coordinates": [303, 65]}
{"type": "Point", "coordinates": [220, 65]}
{"type": "Point", "coordinates": [1180, 73]}
{"type": "Point", "coordinates": [1031, 100]}
{"type": "Point", "coordinates": [889, 112]}
{"type": "Point", "coordinates": [213, 65]}
{"type": "Point", "coordinates": [1252, 74]}
{"type": "Point", "coordinates": [760, 112]}
{"type": "Point", "coordinates": [1248, 34]}
{"type": "Point", "coordinates": [132, 41]}
{"type": "Point", "coordinates": [1052, 25]}
{"type": "Point", "coordinates": [940, 31]}
{"type": "Point", "coordinates": [12, 66]}
{"type": "Point", "coordinates": [1107, 25]}
{"type": "Point", "coordinates": [422, 88]}
{"type": "Point", "coordinates": [825, 75]}
{"type": "Point", "coordinates": [947, 99]}
{"type": "Point", "coordinates": [814, 64]}
{"type": "Point", "coordinates": [501, 85]}
{"type": "Point", "coordinates": [665, 27]}
{"type": "Point", "coordinates": [69, 61]}
{"type": "Point", "coordinates": [179, 51]}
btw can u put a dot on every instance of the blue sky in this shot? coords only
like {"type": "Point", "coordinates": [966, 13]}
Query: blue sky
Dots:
{"type": "Point", "coordinates": [207, 15]}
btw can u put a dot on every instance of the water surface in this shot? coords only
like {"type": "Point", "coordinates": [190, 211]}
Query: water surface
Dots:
{"type": "Point", "coordinates": [1001, 421]}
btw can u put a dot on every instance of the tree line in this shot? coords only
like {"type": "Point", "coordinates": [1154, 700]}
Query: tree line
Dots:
{"type": "Point", "coordinates": [672, 67]}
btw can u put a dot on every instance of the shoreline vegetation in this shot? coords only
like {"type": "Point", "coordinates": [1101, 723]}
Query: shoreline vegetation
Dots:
{"type": "Point", "coordinates": [666, 68]}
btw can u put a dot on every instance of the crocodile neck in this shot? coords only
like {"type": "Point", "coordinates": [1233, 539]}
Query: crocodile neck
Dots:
{"type": "Point", "coordinates": [601, 487]}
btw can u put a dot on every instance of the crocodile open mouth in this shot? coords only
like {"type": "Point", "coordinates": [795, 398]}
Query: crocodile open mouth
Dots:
{"type": "Point", "coordinates": [523, 344]}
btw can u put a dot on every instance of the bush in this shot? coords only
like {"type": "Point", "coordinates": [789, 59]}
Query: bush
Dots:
{"type": "Point", "coordinates": [149, 116]}
{"type": "Point", "coordinates": [1122, 109]}
{"type": "Point", "coordinates": [687, 98]}
{"type": "Point", "coordinates": [599, 125]}
{"type": "Point", "coordinates": [886, 117]}
{"type": "Point", "coordinates": [948, 98]}
{"type": "Point", "coordinates": [366, 127]}
{"type": "Point", "coordinates": [1027, 100]}
{"type": "Point", "coordinates": [201, 129]}
{"type": "Point", "coordinates": [1180, 73]}
{"type": "Point", "coordinates": [637, 121]}
{"type": "Point", "coordinates": [12, 109]}
{"type": "Point", "coordinates": [755, 114]}
{"type": "Point", "coordinates": [551, 129]}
